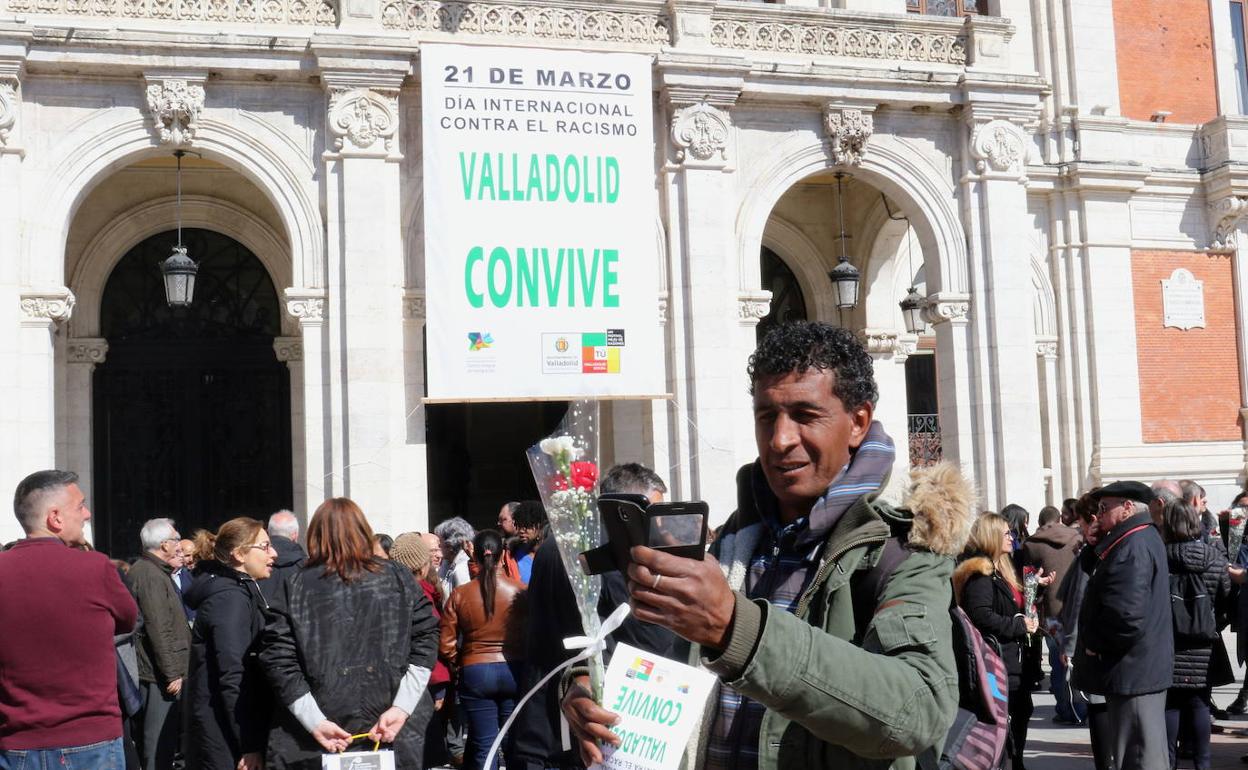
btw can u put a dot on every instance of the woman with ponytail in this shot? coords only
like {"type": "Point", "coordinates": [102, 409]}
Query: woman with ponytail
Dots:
{"type": "Point", "coordinates": [482, 628]}
{"type": "Point", "coordinates": [227, 697]}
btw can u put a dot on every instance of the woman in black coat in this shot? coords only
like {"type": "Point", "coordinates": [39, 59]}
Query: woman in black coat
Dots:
{"type": "Point", "coordinates": [227, 697]}
{"type": "Point", "coordinates": [988, 591]}
{"type": "Point", "coordinates": [1199, 665]}
{"type": "Point", "coordinates": [349, 648]}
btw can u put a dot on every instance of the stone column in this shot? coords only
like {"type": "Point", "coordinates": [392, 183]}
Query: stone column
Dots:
{"type": "Point", "coordinates": [1240, 272]}
{"type": "Point", "coordinates": [711, 409]}
{"type": "Point", "coordinates": [42, 311]}
{"type": "Point", "coordinates": [82, 355]}
{"type": "Point", "coordinates": [365, 309]}
{"type": "Point", "coordinates": [889, 350]}
{"type": "Point", "coordinates": [289, 351]}
{"type": "Point", "coordinates": [1104, 256]}
{"type": "Point", "coordinates": [1007, 430]}
{"type": "Point", "coordinates": [312, 458]}
{"type": "Point", "coordinates": [1046, 353]}
{"type": "Point", "coordinates": [949, 315]}
{"type": "Point", "coordinates": [13, 463]}
{"type": "Point", "coordinates": [417, 447]}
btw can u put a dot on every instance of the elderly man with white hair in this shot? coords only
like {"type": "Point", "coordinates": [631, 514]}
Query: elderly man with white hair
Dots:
{"type": "Point", "coordinates": [284, 535]}
{"type": "Point", "coordinates": [164, 643]}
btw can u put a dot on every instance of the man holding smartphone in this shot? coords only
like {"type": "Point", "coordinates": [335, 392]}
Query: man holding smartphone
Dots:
{"type": "Point", "coordinates": [772, 610]}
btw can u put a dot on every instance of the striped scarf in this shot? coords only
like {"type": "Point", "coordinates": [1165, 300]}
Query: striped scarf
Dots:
{"type": "Point", "coordinates": [780, 570]}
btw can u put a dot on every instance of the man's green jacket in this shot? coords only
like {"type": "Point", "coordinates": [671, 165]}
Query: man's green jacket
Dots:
{"type": "Point", "coordinates": [830, 703]}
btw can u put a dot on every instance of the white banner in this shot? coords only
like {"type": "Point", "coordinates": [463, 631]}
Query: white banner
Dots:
{"type": "Point", "coordinates": [540, 209]}
{"type": "Point", "coordinates": [660, 703]}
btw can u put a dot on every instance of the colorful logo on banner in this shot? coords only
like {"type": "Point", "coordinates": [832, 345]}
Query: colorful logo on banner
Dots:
{"type": "Point", "coordinates": [479, 340]}
{"type": "Point", "coordinates": [640, 670]}
{"type": "Point", "coordinates": [583, 353]}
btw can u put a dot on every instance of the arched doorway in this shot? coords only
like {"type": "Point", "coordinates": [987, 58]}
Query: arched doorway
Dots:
{"type": "Point", "coordinates": [191, 408]}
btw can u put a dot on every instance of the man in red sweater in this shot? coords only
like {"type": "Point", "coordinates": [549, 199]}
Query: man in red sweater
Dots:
{"type": "Point", "coordinates": [60, 608]}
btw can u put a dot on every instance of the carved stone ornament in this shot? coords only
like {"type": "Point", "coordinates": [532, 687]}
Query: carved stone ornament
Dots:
{"type": "Point", "coordinates": [43, 307]}
{"type": "Point", "coordinates": [663, 309]}
{"type": "Point", "coordinates": [321, 13]}
{"type": "Point", "coordinates": [1046, 348]}
{"type": "Point", "coordinates": [750, 29]}
{"type": "Point", "coordinates": [86, 350]}
{"type": "Point", "coordinates": [848, 130]}
{"type": "Point", "coordinates": [700, 131]}
{"type": "Point", "coordinates": [753, 307]}
{"type": "Point", "coordinates": [938, 311]}
{"type": "Point", "coordinates": [176, 105]}
{"type": "Point", "coordinates": [10, 97]}
{"type": "Point", "coordinates": [414, 305]}
{"type": "Point", "coordinates": [537, 22]}
{"type": "Point", "coordinates": [879, 341]}
{"type": "Point", "coordinates": [1225, 215]}
{"type": "Point", "coordinates": [288, 349]}
{"type": "Point", "coordinates": [998, 146]}
{"type": "Point", "coordinates": [305, 309]}
{"type": "Point", "coordinates": [364, 117]}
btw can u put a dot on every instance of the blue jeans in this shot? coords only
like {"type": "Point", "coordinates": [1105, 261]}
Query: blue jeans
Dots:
{"type": "Point", "coordinates": [487, 693]}
{"type": "Point", "coordinates": [1068, 708]}
{"type": "Point", "coordinates": [106, 755]}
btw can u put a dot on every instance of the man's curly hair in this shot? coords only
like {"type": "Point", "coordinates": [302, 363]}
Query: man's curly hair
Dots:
{"type": "Point", "coordinates": [803, 345]}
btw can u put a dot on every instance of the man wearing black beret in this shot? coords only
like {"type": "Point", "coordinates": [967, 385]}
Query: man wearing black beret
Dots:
{"type": "Point", "coordinates": [1125, 649]}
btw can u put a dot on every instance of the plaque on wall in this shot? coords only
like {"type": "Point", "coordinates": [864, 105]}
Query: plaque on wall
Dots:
{"type": "Point", "coordinates": [1182, 300]}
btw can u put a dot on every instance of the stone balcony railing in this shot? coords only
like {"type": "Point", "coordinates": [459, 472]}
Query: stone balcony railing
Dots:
{"type": "Point", "coordinates": [732, 26]}
{"type": "Point", "coordinates": [312, 13]}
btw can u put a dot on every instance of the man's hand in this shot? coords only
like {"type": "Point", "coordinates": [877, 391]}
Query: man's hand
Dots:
{"type": "Point", "coordinates": [1237, 574]}
{"type": "Point", "coordinates": [174, 687]}
{"type": "Point", "coordinates": [252, 761]}
{"type": "Point", "coordinates": [388, 725]}
{"type": "Point", "coordinates": [690, 597]}
{"type": "Point", "coordinates": [588, 721]}
{"type": "Point", "coordinates": [331, 737]}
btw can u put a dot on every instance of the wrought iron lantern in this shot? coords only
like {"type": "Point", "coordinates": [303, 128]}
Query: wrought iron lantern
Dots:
{"type": "Point", "coordinates": [179, 269]}
{"type": "Point", "coordinates": [912, 305]}
{"type": "Point", "coordinates": [912, 312]}
{"type": "Point", "coordinates": [845, 277]}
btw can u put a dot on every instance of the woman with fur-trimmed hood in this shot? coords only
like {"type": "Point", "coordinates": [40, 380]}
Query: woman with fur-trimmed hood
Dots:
{"type": "Point", "coordinates": [987, 589]}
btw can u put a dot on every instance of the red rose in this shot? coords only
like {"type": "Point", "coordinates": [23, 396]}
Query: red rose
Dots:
{"type": "Point", "coordinates": [558, 483]}
{"type": "Point", "coordinates": [584, 475]}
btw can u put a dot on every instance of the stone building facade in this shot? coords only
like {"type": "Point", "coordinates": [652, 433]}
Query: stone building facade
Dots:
{"type": "Point", "coordinates": [1016, 163]}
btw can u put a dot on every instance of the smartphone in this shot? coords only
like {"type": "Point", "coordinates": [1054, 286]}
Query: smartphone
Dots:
{"type": "Point", "coordinates": [678, 528]}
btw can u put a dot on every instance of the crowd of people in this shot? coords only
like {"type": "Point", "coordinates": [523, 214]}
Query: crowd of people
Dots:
{"type": "Point", "coordinates": [826, 614]}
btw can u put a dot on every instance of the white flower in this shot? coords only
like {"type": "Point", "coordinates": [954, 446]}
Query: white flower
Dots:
{"type": "Point", "coordinates": [550, 446]}
{"type": "Point", "coordinates": [568, 444]}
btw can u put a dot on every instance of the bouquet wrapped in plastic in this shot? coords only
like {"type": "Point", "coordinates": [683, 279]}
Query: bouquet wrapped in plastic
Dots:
{"type": "Point", "coordinates": [1031, 586]}
{"type": "Point", "coordinates": [1235, 530]}
{"type": "Point", "coordinates": [565, 467]}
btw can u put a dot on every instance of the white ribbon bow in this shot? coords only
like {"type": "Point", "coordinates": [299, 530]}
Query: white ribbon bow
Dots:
{"type": "Point", "coordinates": [588, 645]}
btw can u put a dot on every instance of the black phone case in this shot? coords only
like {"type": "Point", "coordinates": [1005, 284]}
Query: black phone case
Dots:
{"type": "Point", "coordinates": [626, 521]}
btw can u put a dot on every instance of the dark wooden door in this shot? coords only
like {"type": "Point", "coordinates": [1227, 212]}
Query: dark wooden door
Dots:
{"type": "Point", "coordinates": [191, 407]}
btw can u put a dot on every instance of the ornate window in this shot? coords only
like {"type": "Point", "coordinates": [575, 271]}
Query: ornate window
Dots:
{"type": "Point", "coordinates": [1238, 19]}
{"type": "Point", "coordinates": [787, 303]}
{"type": "Point", "coordinates": [946, 7]}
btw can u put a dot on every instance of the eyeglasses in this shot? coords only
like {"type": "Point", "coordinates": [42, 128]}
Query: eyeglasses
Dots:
{"type": "Point", "coordinates": [261, 546]}
{"type": "Point", "coordinates": [1107, 505]}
